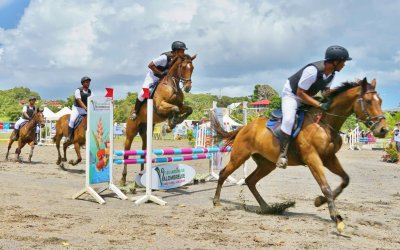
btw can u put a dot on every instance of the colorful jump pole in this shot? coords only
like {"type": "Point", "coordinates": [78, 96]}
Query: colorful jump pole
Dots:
{"type": "Point", "coordinates": [164, 159]}
{"type": "Point", "coordinates": [172, 151]}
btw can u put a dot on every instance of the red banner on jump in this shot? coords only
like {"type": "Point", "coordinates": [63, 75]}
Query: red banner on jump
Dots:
{"type": "Point", "coordinates": [110, 93]}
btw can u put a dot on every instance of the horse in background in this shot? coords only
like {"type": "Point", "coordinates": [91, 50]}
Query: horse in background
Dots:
{"type": "Point", "coordinates": [27, 135]}
{"type": "Point", "coordinates": [315, 146]}
{"type": "Point", "coordinates": [168, 104]}
{"type": "Point", "coordinates": [78, 140]}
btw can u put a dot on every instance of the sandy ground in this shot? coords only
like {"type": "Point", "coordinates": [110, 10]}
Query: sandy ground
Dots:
{"type": "Point", "coordinates": [36, 209]}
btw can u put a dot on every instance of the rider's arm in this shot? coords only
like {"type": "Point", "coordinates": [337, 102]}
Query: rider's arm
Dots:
{"type": "Point", "coordinates": [308, 77]}
{"type": "Point", "coordinates": [81, 104]}
{"type": "Point", "coordinates": [153, 68]}
{"type": "Point", "coordinates": [159, 61]}
{"type": "Point", "coordinates": [25, 113]}
{"type": "Point", "coordinates": [79, 100]}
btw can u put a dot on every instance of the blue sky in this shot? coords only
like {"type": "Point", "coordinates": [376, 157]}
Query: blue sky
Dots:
{"type": "Point", "coordinates": [49, 45]}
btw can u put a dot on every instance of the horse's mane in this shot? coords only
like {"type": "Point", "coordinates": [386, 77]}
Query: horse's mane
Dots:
{"type": "Point", "coordinates": [344, 87]}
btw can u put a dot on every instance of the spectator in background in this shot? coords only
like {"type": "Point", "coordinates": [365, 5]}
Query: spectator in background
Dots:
{"type": "Point", "coordinates": [396, 136]}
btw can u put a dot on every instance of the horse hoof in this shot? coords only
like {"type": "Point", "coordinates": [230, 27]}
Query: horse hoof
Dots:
{"type": "Point", "coordinates": [340, 226]}
{"type": "Point", "coordinates": [217, 204]}
{"type": "Point", "coordinates": [319, 201]}
{"type": "Point", "coordinates": [168, 130]}
{"type": "Point", "coordinates": [122, 183]}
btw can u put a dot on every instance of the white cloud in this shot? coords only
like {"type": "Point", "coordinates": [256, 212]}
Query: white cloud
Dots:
{"type": "Point", "coordinates": [239, 43]}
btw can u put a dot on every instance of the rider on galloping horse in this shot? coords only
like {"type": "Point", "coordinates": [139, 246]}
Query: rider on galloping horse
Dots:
{"type": "Point", "coordinates": [302, 86]}
{"type": "Point", "coordinates": [80, 104]}
{"type": "Point", "coordinates": [28, 111]}
{"type": "Point", "coordinates": [158, 68]}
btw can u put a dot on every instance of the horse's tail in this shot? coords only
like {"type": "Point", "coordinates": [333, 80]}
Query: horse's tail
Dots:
{"type": "Point", "coordinates": [221, 134]}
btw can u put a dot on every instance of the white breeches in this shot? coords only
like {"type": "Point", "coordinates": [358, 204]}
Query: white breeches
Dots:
{"type": "Point", "coordinates": [148, 81]}
{"type": "Point", "coordinates": [290, 103]}
{"type": "Point", "coordinates": [18, 123]}
{"type": "Point", "coordinates": [76, 111]}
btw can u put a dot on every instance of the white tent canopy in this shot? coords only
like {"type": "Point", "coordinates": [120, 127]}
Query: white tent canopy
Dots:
{"type": "Point", "coordinates": [62, 112]}
{"type": "Point", "coordinates": [48, 114]}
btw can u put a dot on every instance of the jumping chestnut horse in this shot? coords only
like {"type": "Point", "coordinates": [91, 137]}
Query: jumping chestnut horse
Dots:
{"type": "Point", "coordinates": [315, 146]}
{"type": "Point", "coordinates": [79, 138]}
{"type": "Point", "coordinates": [168, 104]}
{"type": "Point", "coordinates": [27, 134]}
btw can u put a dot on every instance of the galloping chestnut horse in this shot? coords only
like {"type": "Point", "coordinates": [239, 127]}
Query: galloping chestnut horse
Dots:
{"type": "Point", "coordinates": [315, 146]}
{"type": "Point", "coordinates": [79, 138]}
{"type": "Point", "coordinates": [168, 103]}
{"type": "Point", "coordinates": [27, 135]}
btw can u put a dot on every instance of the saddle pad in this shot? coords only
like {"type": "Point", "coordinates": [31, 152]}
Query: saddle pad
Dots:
{"type": "Point", "coordinates": [274, 123]}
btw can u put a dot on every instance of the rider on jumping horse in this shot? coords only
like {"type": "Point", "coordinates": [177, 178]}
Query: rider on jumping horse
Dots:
{"type": "Point", "coordinates": [158, 68]}
{"type": "Point", "coordinates": [80, 104]}
{"type": "Point", "coordinates": [28, 111]}
{"type": "Point", "coordinates": [302, 86]}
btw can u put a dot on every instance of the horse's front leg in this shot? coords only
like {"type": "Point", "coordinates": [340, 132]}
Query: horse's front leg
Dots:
{"type": "Point", "coordinates": [77, 148]}
{"type": "Point", "coordinates": [170, 110]}
{"type": "Point", "coordinates": [32, 144]}
{"type": "Point", "coordinates": [18, 151]}
{"type": "Point", "coordinates": [316, 167]}
{"type": "Point", "coordinates": [335, 167]}
{"type": "Point", "coordinates": [184, 112]}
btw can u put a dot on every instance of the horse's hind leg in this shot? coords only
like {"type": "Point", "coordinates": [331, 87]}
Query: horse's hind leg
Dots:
{"type": "Point", "coordinates": [11, 141]}
{"type": "Point", "coordinates": [57, 140]}
{"type": "Point", "coordinates": [238, 157]}
{"type": "Point", "coordinates": [264, 167]}
{"type": "Point", "coordinates": [77, 148]}
{"type": "Point", "coordinates": [335, 167]}
{"type": "Point", "coordinates": [131, 132]}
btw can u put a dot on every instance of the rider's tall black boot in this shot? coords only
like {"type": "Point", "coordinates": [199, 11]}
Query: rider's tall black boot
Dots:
{"type": "Point", "coordinates": [70, 134]}
{"type": "Point", "coordinates": [284, 144]}
{"type": "Point", "coordinates": [138, 105]}
{"type": "Point", "coordinates": [16, 134]}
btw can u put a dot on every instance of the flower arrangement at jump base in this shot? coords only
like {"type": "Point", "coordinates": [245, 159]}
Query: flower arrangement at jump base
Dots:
{"type": "Point", "coordinates": [103, 147]}
{"type": "Point", "coordinates": [390, 154]}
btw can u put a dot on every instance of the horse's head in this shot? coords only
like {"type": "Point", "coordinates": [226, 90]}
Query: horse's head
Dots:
{"type": "Point", "coordinates": [39, 118]}
{"type": "Point", "coordinates": [368, 109]}
{"type": "Point", "coordinates": [185, 71]}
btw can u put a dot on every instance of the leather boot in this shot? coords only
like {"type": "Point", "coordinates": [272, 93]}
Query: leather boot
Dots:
{"type": "Point", "coordinates": [284, 144]}
{"type": "Point", "coordinates": [136, 110]}
{"type": "Point", "coordinates": [16, 134]}
{"type": "Point", "coordinates": [70, 134]}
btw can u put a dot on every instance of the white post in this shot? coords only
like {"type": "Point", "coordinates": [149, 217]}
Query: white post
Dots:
{"type": "Point", "coordinates": [245, 170]}
{"type": "Point", "coordinates": [149, 153]}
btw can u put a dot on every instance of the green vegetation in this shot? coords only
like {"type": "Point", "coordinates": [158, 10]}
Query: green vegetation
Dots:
{"type": "Point", "coordinates": [10, 106]}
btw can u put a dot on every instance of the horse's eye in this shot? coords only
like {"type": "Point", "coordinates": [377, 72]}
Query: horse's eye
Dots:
{"type": "Point", "coordinates": [369, 102]}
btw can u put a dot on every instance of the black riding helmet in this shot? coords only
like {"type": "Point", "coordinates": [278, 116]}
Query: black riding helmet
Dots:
{"type": "Point", "coordinates": [178, 45]}
{"type": "Point", "coordinates": [85, 78]}
{"type": "Point", "coordinates": [32, 98]}
{"type": "Point", "coordinates": [337, 52]}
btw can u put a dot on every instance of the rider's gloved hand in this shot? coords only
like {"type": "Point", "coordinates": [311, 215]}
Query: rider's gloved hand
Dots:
{"type": "Point", "coordinates": [165, 72]}
{"type": "Point", "coordinates": [324, 106]}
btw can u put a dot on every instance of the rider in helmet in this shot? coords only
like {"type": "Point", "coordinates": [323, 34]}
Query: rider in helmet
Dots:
{"type": "Point", "coordinates": [158, 68]}
{"type": "Point", "coordinates": [302, 86]}
{"type": "Point", "coordinates": [80, 104]}
{"type": "Point", "coordinates": [28, 111]}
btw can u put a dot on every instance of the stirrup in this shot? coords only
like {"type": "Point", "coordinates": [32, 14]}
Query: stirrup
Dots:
{"type": "Point", "coordinates": [133, 116]}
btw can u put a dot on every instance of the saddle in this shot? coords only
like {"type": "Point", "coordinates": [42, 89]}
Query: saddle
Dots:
{"type": "Point", "coordinates": [77, 121]}
{"type": "Point", "coordinates": [275, 121]}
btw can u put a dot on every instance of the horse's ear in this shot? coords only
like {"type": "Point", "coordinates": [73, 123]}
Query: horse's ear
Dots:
{"type": "Point", "coordinates": [194, 57]}
{"type": "Point", "coordinates": [373, 83]}
{"type": "Point", "coordinates": [364, 85]}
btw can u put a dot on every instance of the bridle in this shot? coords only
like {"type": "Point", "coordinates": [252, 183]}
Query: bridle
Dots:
{"type": "Point", "coordinates": [369, 120]}
{"type": "Point", "coordinates": [182, 79]}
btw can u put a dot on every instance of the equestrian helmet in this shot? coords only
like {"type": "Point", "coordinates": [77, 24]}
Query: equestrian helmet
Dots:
{"type": "Point", "coordinates": [178, 45]}
{"type": "Point", "coordinates": [85, 78]}
{"type": "Point", "coordinates": [337, 52]}
{"type": "Point", "coordinates": [32, 98]}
